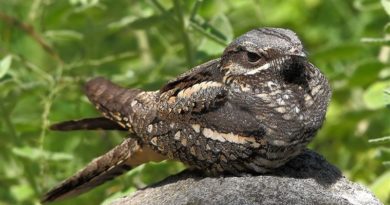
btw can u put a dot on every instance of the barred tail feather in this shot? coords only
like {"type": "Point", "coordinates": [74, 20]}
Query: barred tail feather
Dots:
{"type": "Point", "coordinates": [87, 124]}
{"type": "Point", "coordinates": [100, 170]}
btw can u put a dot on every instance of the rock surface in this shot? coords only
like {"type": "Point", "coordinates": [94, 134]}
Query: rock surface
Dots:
{"type": "Point", "coordinates": [307, 179]}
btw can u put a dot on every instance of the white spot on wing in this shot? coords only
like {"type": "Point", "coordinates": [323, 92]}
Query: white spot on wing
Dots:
{"type": "Point", "coordinates": [154, 141]}
{"type": "Point", "coordinates": [213, 135]}
{"type": "Point", "coordinates": [280, 109]}
{"type": "Point", "coordinates": [150, 128]}
{"type": "Point", "coordinates": [278, 142]}
{"type": "Point", "coordinates": [271, 85]}
{"type": "Point", "coordinates": [280, 101]}
{"type": "Point", "coordinates": [196, 127]}
{"type": "Point", "coordinates": [315, 90]}
{"type": "Point", "coordinates": [121, 124]}
{"type": "Point", "coordinates": [186, 93]}
{"type": "Point", "coordinates": [264, 97]}
{"type": "Point", "coordinates": [177, 136]}
{"type": "Point", "coordinates": [287, 117]}
{"type": "Point", "coordinates": [230, 137]}
{"type": "Point", "coordinates": [308, 100]}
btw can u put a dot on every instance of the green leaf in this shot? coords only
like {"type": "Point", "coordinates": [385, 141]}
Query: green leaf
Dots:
{"type": "Point", "coordinates": [381, 186]}
{"type": "Point", "coordinates": [22, 192]}
{"type": "Point", "coordinates": [136, 23]}
{"type": "Point", "coordinates": [122, 22]}
{"type": "Point", "coordinates": [366, 73]}
{"type": "Point", "coordinates": [386, 5]}
{"type": "Point", "coordinates": [5, 64]}
{"type": "Point", "coordinates": [339, 51]}
{"type": "Point", "coordinates": [374, 96]}
{"type": "Point", "coordinates": [220, 23]}
{"type": "Point", "coordinates": [64, 35]}
{"type": "Point", "coordinates": [84, 2]}
{"type": "Point", "coordinates": [35, 154]}
{"type": "Point", "coordinates": [223, 25]}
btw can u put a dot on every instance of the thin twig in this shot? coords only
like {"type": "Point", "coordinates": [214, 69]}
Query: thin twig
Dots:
{"type": "Point", "coordinates": [47, 104]}
{"type": "Point", "coordinates": [376, 41]}
{"type": "Point", "coordinates": [195, 25]}
{"type": "Point", "coordinates": [381, 140]}
{"type": "Point", "coordinates": [171, 22]}
{"type": "Point", "coordinates": [45, 76]}
{"type": "Point", "coordinates": [158, 6]}
{"type": "Point", "coordinates": [32, 33]}
{"type": "Point", "coordinates": [195, 9]}
{"type": "Point", "coordinates": [7, 120]}
{"type": "Point", "coordinates": [184, 35]}
{"type": "Point", "coordinates": [101, 61]}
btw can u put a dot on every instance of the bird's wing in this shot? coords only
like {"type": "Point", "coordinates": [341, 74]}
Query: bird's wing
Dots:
{"type": "Point", "coordinates": [197, 90]}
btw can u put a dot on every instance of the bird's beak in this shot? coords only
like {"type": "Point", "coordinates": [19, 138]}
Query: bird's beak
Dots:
{"type": "Point", "coordinates": [297, 52]}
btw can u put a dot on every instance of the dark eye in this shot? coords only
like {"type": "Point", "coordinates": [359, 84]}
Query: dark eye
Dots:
{"type": "Point", "coordinates": [253, 57]}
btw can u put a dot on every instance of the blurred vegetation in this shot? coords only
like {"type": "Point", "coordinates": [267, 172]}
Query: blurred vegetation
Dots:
{"type": "Point", "coordinates": [48, 49]}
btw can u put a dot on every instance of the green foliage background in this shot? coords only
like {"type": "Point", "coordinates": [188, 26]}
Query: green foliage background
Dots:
{"type": "Point", "coordinates": [48, 49]}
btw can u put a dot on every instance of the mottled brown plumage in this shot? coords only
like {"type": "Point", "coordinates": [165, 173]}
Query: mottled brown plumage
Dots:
{"type": "Point", "coordinates": [249, 111]}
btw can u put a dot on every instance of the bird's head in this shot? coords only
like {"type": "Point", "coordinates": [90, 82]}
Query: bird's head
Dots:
{"type": "Point", "coordinates": [268, 73]}
{"type": "Point", "coordinates": [265, 51]}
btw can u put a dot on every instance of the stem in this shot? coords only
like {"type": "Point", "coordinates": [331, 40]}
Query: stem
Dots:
{"type": "Point", "coordinates": [199, 28]}
{"type": "Point", "coordinates": [195, 9]}
{"type": "Point", "coordinates": [172, 21]}
{"type": "Point", "coordinates": [159, 6]}
{"type": "Point", "coordinates": [48, 101]}
{"type": "Point", "coordinates": [101, 61]}
{"type": "Point", "coordinates": [144, 48]}
{"type": "Point", "coordinates": [183, 32]}
{"type": "Point", "coordinates": [208, 35]}
{"type": "Point", "coordinates": [8, 123]}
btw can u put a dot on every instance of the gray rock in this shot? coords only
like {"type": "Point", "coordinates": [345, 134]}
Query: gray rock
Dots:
{"type": "Point", "coordinates": [307, 179]}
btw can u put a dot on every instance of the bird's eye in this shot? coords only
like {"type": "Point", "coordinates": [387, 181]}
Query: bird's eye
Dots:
{"type": "Point", "coordinates": [253, 57]}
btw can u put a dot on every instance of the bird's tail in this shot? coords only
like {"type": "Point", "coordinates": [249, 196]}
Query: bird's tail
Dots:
{"type": "Point", "coordinates": [117, 161]}
{"type": "Point", "coordinates": [87, 124]}
{"type": "Point", "coordinates": [113, 101]}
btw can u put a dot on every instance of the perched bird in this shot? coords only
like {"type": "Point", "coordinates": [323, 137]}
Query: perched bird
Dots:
{"type": "Point", "coordinates": [249, 111]}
